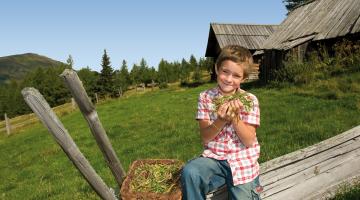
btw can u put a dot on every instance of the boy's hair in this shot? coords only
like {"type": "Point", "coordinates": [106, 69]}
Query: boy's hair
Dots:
{"type": "Point", "coordinates": [237, 54]}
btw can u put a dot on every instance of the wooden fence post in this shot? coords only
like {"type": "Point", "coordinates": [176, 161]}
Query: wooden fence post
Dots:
{"type": "Point", "coordinates": [7, 124]}
{"type": "Point", "coordinates": [120, 92]}
{"type": "Point", "coordinates": [73, 104]}
{"type": "Point", "coordinates": [42, 109]}
{"type": "Point", "coordinates": [88, 110]}
{"type": "Point", "coordinates": [96, 97]}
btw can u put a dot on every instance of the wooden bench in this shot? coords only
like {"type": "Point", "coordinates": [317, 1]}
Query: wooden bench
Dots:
{"type": "Point", "coordinates": [314, 172]}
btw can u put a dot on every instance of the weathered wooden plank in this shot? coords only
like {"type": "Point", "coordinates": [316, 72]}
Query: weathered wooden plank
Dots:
{"type": "Point", "coordinates": [317, 184]}
{"type": "Point", "coordinates": [309, 151]}
{"type": "Point", "coordinates": [88, 110]}
{"type": "Point", "coordinates": [321, 162]}
{"type": "Point", "coordinates": [324, 171]}
{"type": "Point", "coordinates": [42, 109]}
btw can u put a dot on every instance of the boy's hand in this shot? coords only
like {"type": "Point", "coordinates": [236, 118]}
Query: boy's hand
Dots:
{"type": "Point", "coordinates": [230, 110]}
{"type": "Point", "coordinates": [236, 106]}
{"type": "Point", "coordinates": [223, 111]}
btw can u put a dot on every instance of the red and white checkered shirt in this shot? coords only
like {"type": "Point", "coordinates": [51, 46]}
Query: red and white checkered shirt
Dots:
{"type": "Point", "coordinates": [227, 145]}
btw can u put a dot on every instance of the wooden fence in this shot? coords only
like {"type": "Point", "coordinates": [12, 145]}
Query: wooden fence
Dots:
{"type": "Point", "coordinates": [17, 123]}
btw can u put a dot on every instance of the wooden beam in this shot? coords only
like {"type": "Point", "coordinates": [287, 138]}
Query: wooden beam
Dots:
{"type": "Point", "coordinates": [42, 109]}
{"type": "Point", "coordinates": [88, 110]}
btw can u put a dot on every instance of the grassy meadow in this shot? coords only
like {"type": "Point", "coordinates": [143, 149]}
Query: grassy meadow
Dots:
{"type": "Point", "coordinates": [160, 124]}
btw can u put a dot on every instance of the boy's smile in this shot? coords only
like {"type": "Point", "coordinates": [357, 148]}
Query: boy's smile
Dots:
{"type": "Point", "coordinates": [229, 77]}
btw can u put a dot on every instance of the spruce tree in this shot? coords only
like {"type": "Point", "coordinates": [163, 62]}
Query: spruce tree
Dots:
{"type": "Point", "coordinates": [106, 79]}
{"type": "Point", "coordinates": [123, 77]}
{"type": "Point", "coordinates": [70, 62]}
{"type": "Point", "coordinates": [184, 72]}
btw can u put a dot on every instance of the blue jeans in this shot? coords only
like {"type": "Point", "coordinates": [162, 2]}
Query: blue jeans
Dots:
{"type": "Point", "coordinates": [201, 175]}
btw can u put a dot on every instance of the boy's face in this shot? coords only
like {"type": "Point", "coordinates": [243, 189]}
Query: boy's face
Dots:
{"type": "Point", "coordinates": [229, 76]}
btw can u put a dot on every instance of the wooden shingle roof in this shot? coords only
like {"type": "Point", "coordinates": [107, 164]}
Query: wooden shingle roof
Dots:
{"type": "Point", "coordinates": [317, 20]}
{"type": "Point", "coordinates": [248, 36]}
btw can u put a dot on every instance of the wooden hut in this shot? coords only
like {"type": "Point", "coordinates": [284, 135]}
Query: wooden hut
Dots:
{"type": "Point", "coordinates": [251, 37]}
{"type": "Point", "coordinates": [317, 21]}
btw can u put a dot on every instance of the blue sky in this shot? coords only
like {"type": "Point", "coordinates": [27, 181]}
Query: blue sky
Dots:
{"type": "Point", "coordinates": [127, 29]}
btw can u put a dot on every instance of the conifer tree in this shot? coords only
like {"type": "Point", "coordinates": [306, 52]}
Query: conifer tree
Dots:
{"type": "Point", "coordinates": [106, 79]}
{"type": "Point", "coordinates": [123, 77]}
{"type": "Point", "coordinates": [193, 63]}
{"type": "Point", "coordinates": [184, 72]}
{"type": "Point", "coordinates": [70, 62]}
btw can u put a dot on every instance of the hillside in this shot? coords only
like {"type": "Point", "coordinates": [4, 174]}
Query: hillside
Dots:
{"type": "Point", "coordinates": [16, 66]}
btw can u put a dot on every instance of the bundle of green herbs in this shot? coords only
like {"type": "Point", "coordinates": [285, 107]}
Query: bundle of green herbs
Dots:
{"type": "Point", "coordinates": [244, 98]}
{"type": "Point", "coordinates": [156, 178]}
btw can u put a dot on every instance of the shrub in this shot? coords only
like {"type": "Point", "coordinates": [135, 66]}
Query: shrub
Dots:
{"type": "Point", "coordinates": [163, 85]}
{"type": "Point", "coordinates": [323, 63]}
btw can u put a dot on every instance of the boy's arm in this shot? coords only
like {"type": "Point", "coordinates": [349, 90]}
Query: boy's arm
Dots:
{"type": "Point", "coordinates": [246, 132]}
{"type": "Point", "coordinates": [208, 130]}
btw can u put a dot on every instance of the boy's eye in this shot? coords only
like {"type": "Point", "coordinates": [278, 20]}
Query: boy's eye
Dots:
{"type": "Point", "coordinates": [225, 71]}
{"type": "Point", "coordinates": [237, 76]}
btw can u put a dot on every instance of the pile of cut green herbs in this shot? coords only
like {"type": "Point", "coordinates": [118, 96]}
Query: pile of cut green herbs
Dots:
{"type": "Point", "coordinates": [244, 98]}
{"type": "Point", "coordinates": [156, 178]}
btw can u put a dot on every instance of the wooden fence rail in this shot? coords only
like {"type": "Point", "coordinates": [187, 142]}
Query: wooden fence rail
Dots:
{"type": "Point", "coordinates": [19, 122]}
{"type": "Point", "coordinates": [87, 108]}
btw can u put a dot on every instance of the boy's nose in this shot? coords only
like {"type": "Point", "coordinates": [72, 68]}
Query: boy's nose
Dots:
{"type": "Point", "coordinates": [228, 78]}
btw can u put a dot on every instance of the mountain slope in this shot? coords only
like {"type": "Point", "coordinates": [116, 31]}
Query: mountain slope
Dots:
{"type": "Point", "coordinates": [16, 66]}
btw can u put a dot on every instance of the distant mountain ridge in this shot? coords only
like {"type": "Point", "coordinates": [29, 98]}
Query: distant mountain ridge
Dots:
{"type": "Point", "coordinates": [16, 66]}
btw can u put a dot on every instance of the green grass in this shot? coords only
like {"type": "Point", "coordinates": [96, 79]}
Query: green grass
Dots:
{"type": "Point", "coordinates": [161, 124]}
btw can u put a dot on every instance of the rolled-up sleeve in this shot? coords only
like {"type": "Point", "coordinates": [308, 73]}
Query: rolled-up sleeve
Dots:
{"type": "Point", "coordinates": [204, 110]}
{"type": "Point", "coordinates": [253, 116]}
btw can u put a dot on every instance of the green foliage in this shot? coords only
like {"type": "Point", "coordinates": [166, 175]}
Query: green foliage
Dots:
{"type": "Point", "coordinates": [89, 79]}
{"type": "Point", "coordinates": [163, 85]}
{"type": "Point", "coordinates": [142, 73]}
{"type": "Point", "coordinates": [192, 63]}
{"type": "Point", "coordinates": [348, 192]}
{"type": "Point", "coordinates": [122, 77]}
{"type": "Point", "coordinates": [46, 80]}
{"type": "Point", "coordinates": [70, 62]}
{"type": "Point", "coordinates": [163, 72]}
{"type": "Point", "coordinates": [106, 78]}
{"type": "Point", "coordinates": [342, 58]}
{"type": "Point", "coordinates": [185, 70]}
{"type": "Point", "coordinates": [295, 71]}
{"type": "Point", "coordinates": [197, 75]}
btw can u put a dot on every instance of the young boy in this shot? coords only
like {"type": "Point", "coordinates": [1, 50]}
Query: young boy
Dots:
{"type": "Point", "coordinates": [231, 149]}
